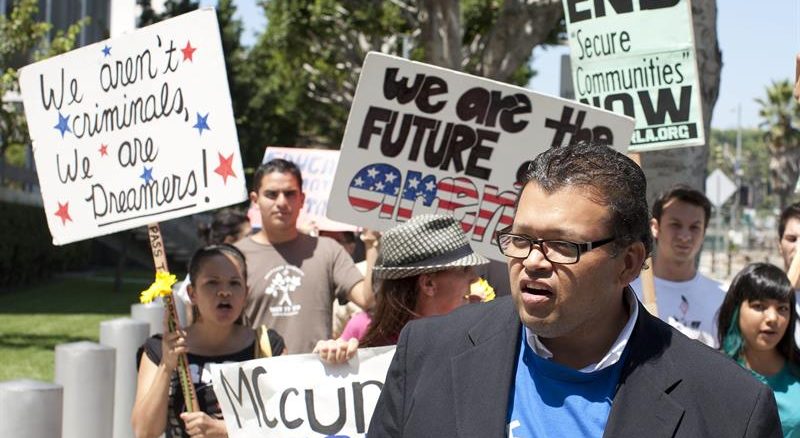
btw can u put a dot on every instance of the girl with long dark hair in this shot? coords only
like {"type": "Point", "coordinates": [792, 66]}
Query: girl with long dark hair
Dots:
{"type": "Point", "coordinates": [756, 322]}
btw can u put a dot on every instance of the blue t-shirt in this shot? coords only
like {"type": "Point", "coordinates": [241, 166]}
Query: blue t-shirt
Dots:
{"type": "Point", "coordinates": [549, 399]}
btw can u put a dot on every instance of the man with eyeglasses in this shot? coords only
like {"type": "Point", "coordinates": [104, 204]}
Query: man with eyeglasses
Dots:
{"type": "Point", "coordinates": [571, 352]}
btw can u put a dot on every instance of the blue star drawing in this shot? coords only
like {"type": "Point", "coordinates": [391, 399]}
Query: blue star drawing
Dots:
{"type": "Point", "coordinates": [419, 187]}
{"type": "Point", "coordinates": [147, 175]}
{"type": "Point", "coordinates": [106, 50]}
{"type": "Point", "coordinates": [202, 123]}
{"type": "Point", "coordinates": [63, 124]}
{"type": "Point", "coordinates": [372, 184]}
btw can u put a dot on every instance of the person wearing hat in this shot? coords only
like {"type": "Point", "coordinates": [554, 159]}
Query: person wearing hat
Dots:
{"type": "Point", "coordinates": [425, 268]}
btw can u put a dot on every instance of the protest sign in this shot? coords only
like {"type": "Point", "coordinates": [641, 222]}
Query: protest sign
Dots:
{"type": "Point", "coordinates": [301, 396]}
{"type": "Point", "coordinates": [134, 130]}
{"type": "Point", "coordinates": [423, 139]}
{"type": "Point", "coordinates": [317, 166]}
{"type": "Point", "coordinates": [638, 58]}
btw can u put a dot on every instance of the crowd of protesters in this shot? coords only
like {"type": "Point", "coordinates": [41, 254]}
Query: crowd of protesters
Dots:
{"type": "Point", "coordinates": [569, 350]}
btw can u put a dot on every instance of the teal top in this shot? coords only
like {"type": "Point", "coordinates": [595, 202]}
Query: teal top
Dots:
{"type": "Point", "coordinates": [786, 387]}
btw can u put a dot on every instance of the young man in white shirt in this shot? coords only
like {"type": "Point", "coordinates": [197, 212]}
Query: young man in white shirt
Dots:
{"type": "Point", "coordinates": [685, 298]}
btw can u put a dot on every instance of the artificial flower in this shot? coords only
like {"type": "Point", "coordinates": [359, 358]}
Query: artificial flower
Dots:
{"type": "Point", "coordinates": [483, 289]}
{"type": "Point", "coordinates": [160, 288]}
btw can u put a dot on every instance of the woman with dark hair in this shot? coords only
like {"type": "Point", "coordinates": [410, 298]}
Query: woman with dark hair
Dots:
{"type": "Point", "coordinates": [217, 291]}
{"type": "Point", "coordinates": [755, 325]}
{"type": "Point", "coordinates": [425, 267]}
{"type": "Point", "coordinates": [228, 225]}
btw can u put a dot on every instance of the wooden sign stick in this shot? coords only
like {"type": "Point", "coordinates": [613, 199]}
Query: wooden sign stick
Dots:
{"type": "Point", "coordinates": [160, 261]}
{"type": "Point", "coordinates": [648, 279]}
{"type": "Point", "coordinates": [794, 270]}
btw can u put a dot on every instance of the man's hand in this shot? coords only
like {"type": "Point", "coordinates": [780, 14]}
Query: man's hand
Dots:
{"type": "Point", "coordinates": [370, 238]}
{"type": "Point", "coordinates": [336, 350]}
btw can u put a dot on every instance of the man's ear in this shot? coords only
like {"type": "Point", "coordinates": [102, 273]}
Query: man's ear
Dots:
{"type": "Point", "coordinates": [633, 258]}
{"type": "Point", "coordinates": [426, 285]}
{"type": "Point", "coordinates": [654, 228]}
{"type": "Point", "coordinates": [253, 197]}
{"type": "Point", "coordinates": [190, 292]}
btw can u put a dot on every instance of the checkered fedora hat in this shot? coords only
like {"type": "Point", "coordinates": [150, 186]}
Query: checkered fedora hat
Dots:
{"type": "Point", "coordinates": [426, 243]}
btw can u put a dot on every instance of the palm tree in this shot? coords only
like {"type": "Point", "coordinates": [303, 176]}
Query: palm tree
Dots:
{"type": "Point", "coordinates": [780, 114]}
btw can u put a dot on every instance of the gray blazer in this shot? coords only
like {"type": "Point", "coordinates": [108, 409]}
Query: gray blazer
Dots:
{"type": "Point", "coordinates": [451, 377]}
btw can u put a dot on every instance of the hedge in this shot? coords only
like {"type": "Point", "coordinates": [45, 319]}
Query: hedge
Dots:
{"type": "Point", "coordinates": [27, 254]}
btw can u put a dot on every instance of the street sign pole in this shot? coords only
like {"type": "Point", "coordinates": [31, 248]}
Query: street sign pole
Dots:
{"type": "Point", "coordinates": [718, 189]}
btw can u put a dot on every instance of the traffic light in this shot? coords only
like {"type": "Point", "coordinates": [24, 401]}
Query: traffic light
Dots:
{"type": "Point", "coordinates": [745, 199]}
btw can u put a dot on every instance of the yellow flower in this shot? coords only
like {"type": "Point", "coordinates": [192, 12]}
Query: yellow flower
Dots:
{"type": "Point", "coordinates": [160, 288]}
{"type": "Point", "coordinates": [483, 289]}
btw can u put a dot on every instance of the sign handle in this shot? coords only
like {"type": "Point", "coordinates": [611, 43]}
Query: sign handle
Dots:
{"type": "Point", "coordinates": [794, 270]}
{"type": "Point", "coordinates": [160, 261]}
{"type": "Point", "coordinates": [648, 279]}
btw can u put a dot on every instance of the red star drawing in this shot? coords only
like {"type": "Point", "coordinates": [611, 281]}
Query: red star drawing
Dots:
{"type": "Point", "coordinates": [63, 213]}
{"type": "Point", "coordinates": [188, 51]}
{"type": "Point", "coordinates": [103, 150]}
{"type": "Point", "coordinates": [225, 168]}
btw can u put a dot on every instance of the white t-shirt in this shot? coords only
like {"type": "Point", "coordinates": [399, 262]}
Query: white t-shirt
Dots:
{"type": "Point", "coordinates": [693, 304]}
{"type": "Point", "coordinates": [797, 321]}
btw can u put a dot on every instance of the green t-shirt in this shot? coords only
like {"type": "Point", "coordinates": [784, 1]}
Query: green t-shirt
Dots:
{"type": "Point", "coordinates": [786, 387]}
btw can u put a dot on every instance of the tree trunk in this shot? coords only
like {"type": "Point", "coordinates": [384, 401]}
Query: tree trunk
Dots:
{"type": "Point", "coordinates": [688, 165]}
{"type": "Point", "coordinates": [521, 25]}
{"type": "Point", "coordinates": [440, 33]}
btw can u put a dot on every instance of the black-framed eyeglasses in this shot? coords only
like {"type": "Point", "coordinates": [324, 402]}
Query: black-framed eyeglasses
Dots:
{"type": "Point", "coordinates": [561, 252]}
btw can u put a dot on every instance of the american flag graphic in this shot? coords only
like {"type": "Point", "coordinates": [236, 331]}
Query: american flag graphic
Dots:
{"type": "Point", "coordinates": [379, 186]}
{"type": "Point", "coordinates": [492, 202]}
{"type": "Point", "coordinates": [416, 187]}
{"type": "Point", "coordinates": [684, 306]}
{"type": "Point", "coordinates": [373, 186]}
{"type": "Point", "coordinates": [458, 193]}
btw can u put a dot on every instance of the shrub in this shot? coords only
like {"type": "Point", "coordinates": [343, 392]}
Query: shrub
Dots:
{"type": "Point", "coordinates": [27, 253]}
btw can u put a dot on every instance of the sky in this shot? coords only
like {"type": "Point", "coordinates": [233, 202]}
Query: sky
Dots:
{"type": "Point", "coordinates": [758, 40]}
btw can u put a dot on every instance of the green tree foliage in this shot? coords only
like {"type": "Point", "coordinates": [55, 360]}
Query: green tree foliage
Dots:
{"type": "Point", "coordinates": [257, 122]}
{"type": "Point", "coordinates": [754, 163]}
{"type": "Point", "coordinates": [754, 156]}
{"type": "Point", "coordinates": [780, 115]}
{"type": "Point", "coordinates": [305, 66]}
{"type": "Point", "coordinates": [172, 8]}
{"type": "Point", "coordinates": [241, 75]}
{"type": "Point", "coordinates": [22, 38]}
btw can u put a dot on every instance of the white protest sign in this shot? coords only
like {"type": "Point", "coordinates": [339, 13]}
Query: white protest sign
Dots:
{"type": "Point", "coordinates": [317, 167]}
{"type": "Point", "coordinates": [423, 139]}
{"type": "Point", "coordinates": [134, 130]}
{"type": "Point", "coordinates": [637, 57]}
{"type": "Point", "coordinates": [301, 396]}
